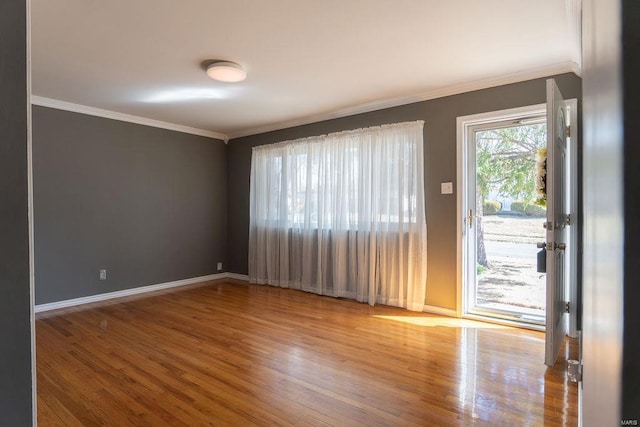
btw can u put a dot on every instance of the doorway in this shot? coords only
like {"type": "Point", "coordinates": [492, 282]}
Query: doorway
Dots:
{"type": "Point", "coordinates": [505, 219]}
{"type": "Point", "coordinates": [501, 219]}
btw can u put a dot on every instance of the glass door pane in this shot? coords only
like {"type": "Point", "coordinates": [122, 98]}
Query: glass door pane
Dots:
{"type": "Point", "coordinates": [508, 223]}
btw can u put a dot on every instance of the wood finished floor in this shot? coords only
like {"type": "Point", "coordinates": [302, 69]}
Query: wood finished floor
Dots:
{"type": "Point", "coordinates": [227, 353]}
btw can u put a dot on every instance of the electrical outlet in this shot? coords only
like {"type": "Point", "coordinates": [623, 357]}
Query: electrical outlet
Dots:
{"type": "Point", "coordinates": [103, 274]}
{"type": "Point", "coordinates": [219, 266]}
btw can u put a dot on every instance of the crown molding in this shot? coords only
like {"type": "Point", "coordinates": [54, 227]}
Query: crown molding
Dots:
{"type": "Point", "coordinates": [114, 115]}
{"type": "Point", "coordinates": [565, 67]}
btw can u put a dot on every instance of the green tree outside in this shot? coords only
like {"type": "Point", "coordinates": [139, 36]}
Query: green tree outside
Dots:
{"type": "Point", "coordinates": [506, 164]}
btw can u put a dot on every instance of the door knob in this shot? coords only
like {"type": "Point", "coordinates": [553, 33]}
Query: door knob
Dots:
{"type": "Point", "coordinates": [548, 246]}
{"type": "Point", "coordinates": [544, 245]}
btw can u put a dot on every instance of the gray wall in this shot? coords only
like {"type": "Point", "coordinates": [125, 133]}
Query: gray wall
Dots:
{"type": "Point", "coordinates": [15, 318]}
{"type": "Point", "coordinates": [440, 166]}
{"type": "Point", "coordinates": [631, 343]}
{"type": "Point", "coordinates": [604, 223]}
{"type": "Point", "coordinates": [146, 204]}
{"type": "Point", "coordinates": [611, 337]}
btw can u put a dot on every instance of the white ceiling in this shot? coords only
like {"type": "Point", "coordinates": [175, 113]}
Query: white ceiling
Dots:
{"type": "Point", "coordinates": [306, 59]}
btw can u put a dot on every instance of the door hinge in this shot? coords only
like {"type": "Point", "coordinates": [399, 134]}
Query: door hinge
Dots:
{"type": "Point", "coordinates": [568, 132]}
{"type": "Point", "coordinates": [566, 307]}
{"type": "Point", "coordinates": [568, 221]}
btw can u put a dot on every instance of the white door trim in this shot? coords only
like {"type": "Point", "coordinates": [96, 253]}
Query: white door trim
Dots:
{"type": "Point", "coordinates": [32, 292]}
{"type": "Point", "coordinates": [463, 123]}
{"type": "Point", "coordinates": [575, 218]}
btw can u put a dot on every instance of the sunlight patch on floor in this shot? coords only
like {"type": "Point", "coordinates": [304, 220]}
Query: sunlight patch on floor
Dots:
{"type": "Point", "coordinates": [449, 322]}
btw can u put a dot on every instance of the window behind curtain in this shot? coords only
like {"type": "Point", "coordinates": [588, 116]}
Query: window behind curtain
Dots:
{"type": "Point", "coordinates": [356, 194]}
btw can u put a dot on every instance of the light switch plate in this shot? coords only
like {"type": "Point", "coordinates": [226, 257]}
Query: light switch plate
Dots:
{"type": "Point", "coordinates": [446, 188]}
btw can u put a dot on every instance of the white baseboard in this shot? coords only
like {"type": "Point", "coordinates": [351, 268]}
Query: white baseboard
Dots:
{"type": "Point", "coordinates": [126, 292]}
{"type": "Point", "coordinates": [237, 276]}
{"type": "Point", "coordinates": [440, 310]}
{"type": "Point", "coordinates": [40, 308]}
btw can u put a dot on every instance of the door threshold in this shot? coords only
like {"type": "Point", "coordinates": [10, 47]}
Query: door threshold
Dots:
{"type": "Point", "coordinates": [507, 320]}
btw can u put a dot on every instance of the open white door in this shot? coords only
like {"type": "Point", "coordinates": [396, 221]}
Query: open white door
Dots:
{"type": "Point", "coordinates": [557, 221]}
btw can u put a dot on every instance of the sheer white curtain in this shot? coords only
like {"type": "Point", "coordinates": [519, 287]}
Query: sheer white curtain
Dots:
{"type": "Point", "coordinates": [342, 215]}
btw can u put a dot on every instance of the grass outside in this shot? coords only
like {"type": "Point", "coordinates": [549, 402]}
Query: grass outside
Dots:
{"type": "Point", "coordinates": [511, 281]}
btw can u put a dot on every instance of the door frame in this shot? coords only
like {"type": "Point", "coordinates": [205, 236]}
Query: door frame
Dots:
{"type": "Point", "coordinates": [576, 219]}
{"type": "Point", "coordinates": [463, 124]}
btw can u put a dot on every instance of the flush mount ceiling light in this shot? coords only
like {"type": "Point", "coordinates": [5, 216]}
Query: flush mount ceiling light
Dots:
{"type": "Point", "coordinates": [225, 71]}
